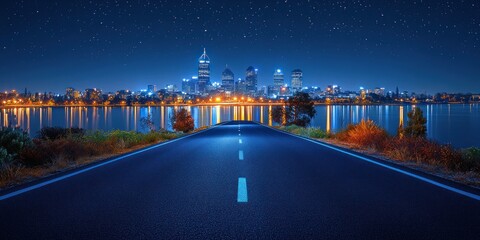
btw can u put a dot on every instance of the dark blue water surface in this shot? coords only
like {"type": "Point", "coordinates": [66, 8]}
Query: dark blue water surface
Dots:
{"type": "Point", "coordinates": [457, 124]}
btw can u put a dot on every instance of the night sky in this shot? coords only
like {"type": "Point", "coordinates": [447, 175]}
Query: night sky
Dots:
{"type": "Point", "coordinates": [420, 46]}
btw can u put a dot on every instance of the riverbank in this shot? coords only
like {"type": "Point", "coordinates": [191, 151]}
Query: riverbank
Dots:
{"type": "Point", "coordinates": [227, 104]}
{"type": "Point", "coordinates": [459, 165]}
{"type": "Point", "coordinates": [57, 150]}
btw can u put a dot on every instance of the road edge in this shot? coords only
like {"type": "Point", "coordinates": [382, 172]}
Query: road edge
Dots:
{"type": "Point", "coordinates": [444, 183]}
{"type": "Point", "coordinates": [56, 177]}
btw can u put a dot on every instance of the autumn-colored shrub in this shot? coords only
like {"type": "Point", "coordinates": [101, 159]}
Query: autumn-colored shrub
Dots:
{"type": "Point", "coordinates": [425, 151]}
{"type": "Point", "coordinates": [364, 134]}
{"type": "Point", "coordinates": [183, 121]}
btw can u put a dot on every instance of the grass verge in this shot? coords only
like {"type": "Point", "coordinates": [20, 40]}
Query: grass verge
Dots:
{"type": "Point", "coordinates": [460, 165]}
{"type": "Point", "coordinates": [58, 149]}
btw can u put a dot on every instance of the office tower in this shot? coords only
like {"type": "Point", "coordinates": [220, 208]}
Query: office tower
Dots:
{"type": "Point", "coordinates": [228, 80]}
{"type": "Point", "coordinates": [151, 88]}
{"type": "Point", "coordinates": [251, 80]}
{"type": "Point", "coordinates": [278, 79]}
{"type": "Point", "coordinates": [297, 78]}
{"type": "Point", "coordinates": [203, 72]}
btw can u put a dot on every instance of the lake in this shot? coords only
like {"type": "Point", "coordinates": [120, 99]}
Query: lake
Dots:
{"type": "Point", "coordinates": [456, 124]}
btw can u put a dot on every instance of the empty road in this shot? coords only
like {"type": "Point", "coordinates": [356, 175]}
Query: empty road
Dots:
{"type": "Point", "coordinates": [241, 180]}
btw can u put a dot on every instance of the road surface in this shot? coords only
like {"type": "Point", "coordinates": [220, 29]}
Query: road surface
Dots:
{"type": "Point", "coordinates": [241, 180]}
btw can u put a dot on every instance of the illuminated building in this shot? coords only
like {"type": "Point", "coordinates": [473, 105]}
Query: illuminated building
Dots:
{"type": "Point", "coordinates": [240, 86]}
{"type": "Point", "coordinates": [69, 93]}
{"type": "Point", "coordinates": [228, 80]}
{"type": "Point", "coordinates": [203, 72]}
{"type": "Point", "coordinates": [251, 80]}
{"type": "Point", "coordinates": [188, 86]}
{"type": "Point", "coordinates": [278, 79]}
{"type": "Point", "coordinates": [297, 78]}
{"type": "Point", "coordinates": [151, 88]}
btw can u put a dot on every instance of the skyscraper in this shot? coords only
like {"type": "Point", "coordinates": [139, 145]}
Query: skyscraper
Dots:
{"type": "Point", "coordinates": [151, 88]}
{"type": "Point", "coordinates": [203, 72]}
{"type": "Point", "coordinates": [297, 78]}
{"type": "Point", "coordinates": [228, 80]}
{"type": "Point", "coordinates": [278, 79]}
{"type": "Point", "coordinates": [251, 80]}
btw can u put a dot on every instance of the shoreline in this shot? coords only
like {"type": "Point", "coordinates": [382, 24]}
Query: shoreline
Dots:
{"type": "Point", "coordinates": [227, 104]}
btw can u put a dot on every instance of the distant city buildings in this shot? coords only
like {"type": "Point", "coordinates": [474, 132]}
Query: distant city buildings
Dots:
{"type": "Point", "coordinates": [240, 86]}
{"type": "Point", "coordinates": [200, 89]}
{"type": "Point", "coordinates": [151, 88]}
{"type": "Point", "coordinates": [278, 79]}
{"type": "Point", "coordinates": [297, 79]}
{"type": "Point", "coordinates": [189, 85]}
{"type": "Point", "coordinates": [228, 80]}
{"type": "Point", "coordinates": [251, 79]}
{"type": "Point", "coordinates": [203, 72]}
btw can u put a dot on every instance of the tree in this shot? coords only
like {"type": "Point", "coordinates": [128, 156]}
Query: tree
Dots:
{"type": "Point", "coordinates": [183, 121]}
{"type": "Point", "coordinates": [416, 125]}
{"type": "Point", "coordinates": [299, 110]}
{"type": "Point", "coordinates": [277, 114]}
{"type": "Point", "coordinates": [147, 123]}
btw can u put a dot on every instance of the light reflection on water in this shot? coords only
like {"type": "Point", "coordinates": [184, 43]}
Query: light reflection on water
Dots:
{"type": "Point", "coordinates": [455, 124]}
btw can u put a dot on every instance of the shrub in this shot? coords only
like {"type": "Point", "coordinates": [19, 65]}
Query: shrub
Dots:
{"type": "Point", "coordinates": [364, 134]}
{"type": "Point", "coordinates": [14, 140]}
{"type": "Point", "coordinates": [183, 121]}
{"type": "Point", "coordinates": [5, 158]}
{"type": "Point", "coordinates": [147, 123]}
{"type": "Point", "coordinates": [124, 139]}
{"type": "Point", "coordinates": [45, 151]}
{"type": "Point", "coordinates": [416, 124]}
{"type": "Point", "coordinates": [52, 133]}
{"type": "Point", "coordinates": [425, 151]}
{"type": "Point", "coordinates": [471, 157]}
{"type": "Point", "coordinates": [317, 133]}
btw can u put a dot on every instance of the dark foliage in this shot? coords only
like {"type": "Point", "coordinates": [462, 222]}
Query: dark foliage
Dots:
{"type": "Point", "coordinates": [416, 125]}
{"type": "Point", "coordinates": [13, 141]}
{"type": "Point", "coordinates": [299, 110]}
{"type": "Point", "coordinates": [278, 114]}
{"type": "Point", "coordinates": [183, 121]}
{"type": "Point", "coordinates": [52, 133]}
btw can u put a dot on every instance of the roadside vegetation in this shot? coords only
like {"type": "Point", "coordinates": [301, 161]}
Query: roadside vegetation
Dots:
{"type": "Point", "coordinates": [298, 110]}
{"type": "Point", "coordinates": [409, 146]}
{"type": "Point", "coordinates": [56, 149]}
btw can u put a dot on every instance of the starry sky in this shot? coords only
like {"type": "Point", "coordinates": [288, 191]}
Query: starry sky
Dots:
{"type": "Point", "coordinates": [420, 46]}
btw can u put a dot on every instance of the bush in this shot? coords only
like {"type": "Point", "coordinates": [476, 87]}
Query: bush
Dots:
{"type": "Point", "coordinates": [124, 139]}
{"type": "Point", "coordinates": [45, 151]}
{"type": "Point", "coordinates": [425, 151]}
{"type": "Point", "coordinates": [52, 133]}
{"type": "Point", "coordinates": [147, 123]}
{"type": "Point", "coordinates": [306, 132]}
{"type": "Point", "coordinates": [317, 133]}
{"type": "Point", "coordinates": [471, 156]}
{"type": "Point", "coordinates": [183, 121]}
{"type": "Point", "coordinates": [416, 124]}
{"type": "Point", "coordinates": [5, 158]}
{"type": "Point", "coordinates": [13, 141]}
{"type": "Point", "coordinates": [364, 134]}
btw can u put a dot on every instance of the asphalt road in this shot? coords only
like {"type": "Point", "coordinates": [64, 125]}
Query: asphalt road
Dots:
{"type": "Point", "coordinates": [240, 180]}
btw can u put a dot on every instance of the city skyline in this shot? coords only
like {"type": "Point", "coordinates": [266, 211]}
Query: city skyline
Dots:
{"type": "Point", "coordinates": [426, 46]}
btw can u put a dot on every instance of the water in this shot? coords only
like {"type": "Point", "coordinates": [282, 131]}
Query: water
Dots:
{"type": "Point", "coordinates": [456, 124]}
